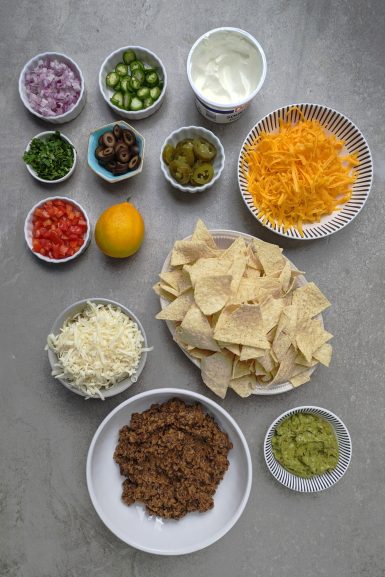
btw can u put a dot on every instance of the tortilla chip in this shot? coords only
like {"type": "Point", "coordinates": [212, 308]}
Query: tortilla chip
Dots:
{"type": "Point", "coordinates": [285, 277]}
{"type": "Point", "coordinates": [242, 325]}
{"type": "Point", "coordinates": [178, 279]}
{"type": "Point", "coordinates": [309, 300]}
{"type": "Point", "coordinates": [259, 370]}
{"type": "Point", "coordinates": [244, 386]}
{"type": "Point", "coordinates": [324, 354]}
{"type": "Point", "coordinates": [248, 353]}
{"type": "Point", "coordinates": [252, 260]}
{"type": "Point", "coordinates": [199, 353]}
{"type": "Point", "coordinates": [310, 337]}
{"type": "Point", "coordinates": [267, 362]}
{"type": "Point", "coordinates": [162, 292]}
{"type": "Point", "coordinates": [235, 250]}
{"type": "Point", "coordinates": [269, 255]}
{"type": "Point", "coordinates": [271, 311]}
{"type": "Point", "coordinates": [212, 293]}
{"type": "Point", "coordinates": [207, 267]}
{"type": "Point", "coordinates": [286, 367]}
{"type": "Point", "coordinates": [300, 379]}
{"type": "Point", "coordinates": [195, 330]}
{"type": "Point", "coordinates": [257, 289]}
{"type": "Point", "coordinates": [216, 372]}
{"type": "Point", "coordinates": [188, 251]}
{"type": "Point", "coordinates": [232, 347]}
{"type": "Point", "coordinates": [280, 346]}
{"type": "Point", "coordinates": [201, 233]}
{"type": "Point", "coordinates": [241, 368]}
{"type": "Point", "coordinates": [176, 310]}
{"type": "Point", "coordinates": [237, 270]}
{"type": "Point", "coordinates": [300, 360]}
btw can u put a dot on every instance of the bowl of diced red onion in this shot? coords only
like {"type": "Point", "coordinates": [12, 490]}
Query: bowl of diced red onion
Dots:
{"type": "Point", "coordinates": [51, 86]}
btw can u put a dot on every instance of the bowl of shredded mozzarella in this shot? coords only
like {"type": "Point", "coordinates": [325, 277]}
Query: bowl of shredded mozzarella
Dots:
{"type": "Point", "coordinates": [97, 348]}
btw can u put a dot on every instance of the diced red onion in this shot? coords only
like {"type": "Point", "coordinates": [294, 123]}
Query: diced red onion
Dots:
{"type": "Point", "coordinates": [52, 87]}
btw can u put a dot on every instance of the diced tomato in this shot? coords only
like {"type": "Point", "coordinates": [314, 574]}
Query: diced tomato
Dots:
{"type": "Point", "coordinates": [58, 229]}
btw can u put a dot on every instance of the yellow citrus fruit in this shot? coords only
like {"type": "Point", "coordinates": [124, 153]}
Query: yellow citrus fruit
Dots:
{"type": "Point", "coordinates": [119, 230]}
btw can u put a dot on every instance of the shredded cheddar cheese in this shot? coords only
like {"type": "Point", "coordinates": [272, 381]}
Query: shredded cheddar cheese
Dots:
{"type": "Point", "coordinates": [298, 174]}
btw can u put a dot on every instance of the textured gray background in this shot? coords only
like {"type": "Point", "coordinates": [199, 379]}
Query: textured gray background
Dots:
{"type": "Point", "coordinates": [317, 51]}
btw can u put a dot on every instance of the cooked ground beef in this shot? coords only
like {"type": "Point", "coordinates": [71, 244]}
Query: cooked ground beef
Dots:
{"type": "Point", "coordinates": [174, 456]}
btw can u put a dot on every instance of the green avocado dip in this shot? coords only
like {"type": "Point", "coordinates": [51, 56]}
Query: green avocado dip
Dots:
{"type": "Point", "coordinates": [305, 445]}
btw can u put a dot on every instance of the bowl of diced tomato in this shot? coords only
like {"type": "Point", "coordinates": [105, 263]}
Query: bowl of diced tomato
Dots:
{"type": "Point", "coordinates": [57, 229]}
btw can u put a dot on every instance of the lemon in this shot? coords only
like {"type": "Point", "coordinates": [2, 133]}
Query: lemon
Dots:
{"type": "Point", "coordinates": [119, 231]}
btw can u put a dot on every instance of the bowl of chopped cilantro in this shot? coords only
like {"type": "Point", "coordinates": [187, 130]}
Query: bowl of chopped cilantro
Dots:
{"type": "Point", "coordinates": [50, 157]}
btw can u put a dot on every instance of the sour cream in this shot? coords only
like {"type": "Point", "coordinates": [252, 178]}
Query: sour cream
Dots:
{"type": "Point", "coordinates": [226, 67]}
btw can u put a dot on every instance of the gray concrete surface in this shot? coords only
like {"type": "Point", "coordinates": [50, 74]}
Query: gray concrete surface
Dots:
{"type": "Point", "coordinates": [326, 51]}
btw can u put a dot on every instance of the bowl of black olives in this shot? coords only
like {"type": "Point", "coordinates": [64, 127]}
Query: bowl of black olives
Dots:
{"type": "Point", "coordinates": [116, 151]}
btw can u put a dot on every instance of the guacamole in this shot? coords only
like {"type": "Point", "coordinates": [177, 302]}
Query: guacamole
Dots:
{"type": "Point", "coordinates": [305, 445]}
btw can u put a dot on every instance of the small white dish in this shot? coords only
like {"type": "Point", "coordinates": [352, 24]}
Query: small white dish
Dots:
{"type": "Point", "coordinates": [334, 123]}
{"type": "Point", "coordinates": [71, 311]}
{"type": "Point", "coordinates": [28, 227]}
{"type": "Point", "coordinates": [77, 107]}
{"type": "Point", "coordinates": [148, 58]}
{"type": "Point", "coordinates": [194, 132]}
{"type": "Point", "coordinates": [43, 136]}
{"type": "Point", "coordinates": [224, 238]}
{"type": "Point", "coordinates": [132, 524]}
{"type": "Point", "coordinates": [318, 482]}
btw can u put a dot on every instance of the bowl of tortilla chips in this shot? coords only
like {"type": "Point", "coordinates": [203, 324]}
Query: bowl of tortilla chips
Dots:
{"type": "Point", "coordinates": [242, 313]}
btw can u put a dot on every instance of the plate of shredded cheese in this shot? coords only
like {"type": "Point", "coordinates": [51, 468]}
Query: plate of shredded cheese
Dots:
{"type": "Point", "coordinates": [305, 171]}
{"type": "Point", "coordinates": [97, 348]}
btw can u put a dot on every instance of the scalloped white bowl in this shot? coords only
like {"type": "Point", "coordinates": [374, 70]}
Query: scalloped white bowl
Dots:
{"type": "Point", "coordinates": [193, 132]}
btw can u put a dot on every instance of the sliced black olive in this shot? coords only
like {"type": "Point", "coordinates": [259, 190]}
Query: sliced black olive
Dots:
{"type": "Point", "coordinates": [111, 165]}
{"type": "Point", "coordinates": [121, 168]}
{"type": "Point", "coordinates": [123, 155]}
{"type": "Point", "coordinates": [117, 131]}
{"type": "Point", "coordinates": [99, 152]}
{"type": "Point", "coordinates": [100, 141]}
{"type": "Point", "coordinates": [129, 137]}
{"type": "Point", "coordinates": [120, 146]}
{"type": "Point", "coordinates": [134, 162]}
{"type": "Point", "coordinates": [134, 150]}
{"type": "Point", "coordinates": [108, 139]}
{"type": "Point", "coordinates": [107, 155]}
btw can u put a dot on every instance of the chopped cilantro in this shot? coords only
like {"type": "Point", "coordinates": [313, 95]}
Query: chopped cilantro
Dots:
{"type": "Point", "coordinates": [51, 157]}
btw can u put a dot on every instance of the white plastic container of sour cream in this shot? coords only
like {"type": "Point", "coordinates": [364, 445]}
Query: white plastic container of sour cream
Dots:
{"type": "Point", "coordinates": [226, 68]}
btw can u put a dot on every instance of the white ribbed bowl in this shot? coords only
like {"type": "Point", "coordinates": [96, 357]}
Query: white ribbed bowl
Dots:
{"type": "Point", "coordinates": [147, 57]}
{"type": "Point", "coordinates": [224, 238]}
{"type": "Point", "coordinates": [43, 136]}
{"type": "Point", "coordinates": [318, 482]}
{"type": "Point", "coordinates": [73, 310]}
{"type": "Point", "coordinates": [28, 226]}
{"type": "Point", "coordinates": [334, 123]}
{"type": "Point", "coordinates": [60, 118]}
{"type": "Point", "coordinates": [194, 132]}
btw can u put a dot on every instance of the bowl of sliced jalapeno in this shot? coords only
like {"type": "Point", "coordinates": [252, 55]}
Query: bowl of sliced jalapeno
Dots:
{"type": "Point", "coordinates": [192, 159]}
{"type": "Point", "coordinates": [133, 82]}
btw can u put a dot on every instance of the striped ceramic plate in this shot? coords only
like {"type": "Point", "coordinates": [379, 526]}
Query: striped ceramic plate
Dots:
{"type": "Point", "coordinates": [336, 123]}
{"type": "Point", "coordinates": [318, 482]}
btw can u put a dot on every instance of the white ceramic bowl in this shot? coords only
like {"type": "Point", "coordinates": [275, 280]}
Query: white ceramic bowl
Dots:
{"type": "Point", "coordinates": [318, 482]}
{"type": "Point", "coordinates": [28, 231]}
{"type": "Point", "coordinates": [152, 534]}
{"type": "Point", "coordinates": [43, 136]}
{"type": "Point", "coordinates": [334, 123]}
{"type": "Point", "coordinates": [224, 238]}
{"type": "Point", "coordinates": [60, 118]}
{"type": "Point", "coordinates": [73, 310]}
{"type": "Point", "coordinates": [147, 57]}
{"type": "Point", "coordinates": [194, 132]}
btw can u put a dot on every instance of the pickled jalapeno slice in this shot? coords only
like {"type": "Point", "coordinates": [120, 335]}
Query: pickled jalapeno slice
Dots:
{"type": "Point", "coordinates": [204, 150]}
{"type": "Point", "coordinates": [168, 153]}
{"type": "Point", "coordinates": [202, 174]}
{"type": "Point", "coordinates": [180, 170]}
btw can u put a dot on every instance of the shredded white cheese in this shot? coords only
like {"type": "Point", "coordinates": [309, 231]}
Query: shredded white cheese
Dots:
{"type": "Point", "coordinates": [97, 348]}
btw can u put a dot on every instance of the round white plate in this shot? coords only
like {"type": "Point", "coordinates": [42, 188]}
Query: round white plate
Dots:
{"type": "Point", "coordinates": [133, 524]}
{"type": "Point", "coordinates": [224, 238]}
{"type": "Point", "coordinates": [318, 482]}
{"type": "Point", "coordinates": [335, 123]}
